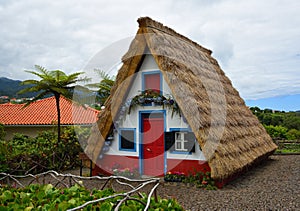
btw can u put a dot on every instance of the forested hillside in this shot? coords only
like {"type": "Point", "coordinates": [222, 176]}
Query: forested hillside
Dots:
{"type": "Point", "coordinates": [9, 87]}
{"type": "Point", "coordinates": [279, 124]}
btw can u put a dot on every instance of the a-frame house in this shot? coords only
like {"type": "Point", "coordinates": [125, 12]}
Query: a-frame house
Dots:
{"type": "Point", "coordinates": [173, 109]}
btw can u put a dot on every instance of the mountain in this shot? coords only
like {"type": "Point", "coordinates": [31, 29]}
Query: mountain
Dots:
{"type": "Point", "coordinates": [10, 87]}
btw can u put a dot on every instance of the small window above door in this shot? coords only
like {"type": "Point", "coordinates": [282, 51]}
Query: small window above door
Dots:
{"type": "Point", "coordinates": [152, 81]}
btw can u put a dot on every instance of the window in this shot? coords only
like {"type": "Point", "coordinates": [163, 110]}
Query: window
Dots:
{"type": "Point", "coordinates": [180, 141]}
{"type": "Point", "coordinates": [127, 140]}
{"type": "Point", "coordinates": [152, 81]}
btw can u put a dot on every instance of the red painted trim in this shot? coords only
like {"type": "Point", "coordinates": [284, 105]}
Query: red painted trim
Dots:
{"type": "Point", "coordinates": [105, 165]}
{"type": "Point", "coordinates": [187, 166]}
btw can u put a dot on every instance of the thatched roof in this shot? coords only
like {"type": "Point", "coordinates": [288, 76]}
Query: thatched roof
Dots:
{"type": "Point", "coordinates": [230, 136]}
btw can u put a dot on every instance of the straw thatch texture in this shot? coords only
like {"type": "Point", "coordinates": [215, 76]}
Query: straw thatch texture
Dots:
{"type": "Point", "coordinates": [230, 136]}
{"type": "Point", "coordinates": [105, 120]}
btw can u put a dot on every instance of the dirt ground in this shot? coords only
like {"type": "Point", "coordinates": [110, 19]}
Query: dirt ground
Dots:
{"type": "Point", "coordinates": [273, 185]}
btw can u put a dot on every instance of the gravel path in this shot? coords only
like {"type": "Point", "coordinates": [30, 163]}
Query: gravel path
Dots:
{"type": "Point", "coordinates": [273, 185]}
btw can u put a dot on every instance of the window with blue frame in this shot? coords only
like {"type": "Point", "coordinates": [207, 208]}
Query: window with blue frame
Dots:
{"type": "Point", "coordinates": [127, 139]}
{"type": "Point", "coordinates": [152, 81]}
{"type": "Point", "coordinates": [178, 140]}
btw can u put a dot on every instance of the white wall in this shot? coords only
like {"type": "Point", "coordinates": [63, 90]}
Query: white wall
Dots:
{"type": "Point", "coordinates": [132, 120]}
{"type": "Point", "coordinates": [32, 130]}
{"type": "Point", "coordinates": [29, 130]}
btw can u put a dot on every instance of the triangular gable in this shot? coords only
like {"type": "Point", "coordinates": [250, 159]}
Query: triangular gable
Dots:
{"type": "Point", "coordinates": [230, 136]}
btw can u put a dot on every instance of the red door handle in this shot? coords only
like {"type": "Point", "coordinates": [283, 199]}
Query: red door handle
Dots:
{"type": "Point", "coordinates": [148, 149]}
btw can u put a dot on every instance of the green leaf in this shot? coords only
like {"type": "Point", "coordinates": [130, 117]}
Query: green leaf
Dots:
{"type": "Point", "coordinates": [62, 197]}
{"type": "Point", "coordinates": [63, 205]}
{"type": "Point", "coordinates": [126, 208]}
{"type": "Point", "coordinates": [28, 208]}
{"type": "Point", "coordinates": [73, 188]}
{"type": "Point", "coordinates": [106, 206]}
{"type": "Point", "coordinates": [2, 208]}
{"type": "Point", "coordinates": [72, 201]}
{"type": "Point", "coordinates": [47, 187]}
{"type": "Point", "coordinates": [6, 195]}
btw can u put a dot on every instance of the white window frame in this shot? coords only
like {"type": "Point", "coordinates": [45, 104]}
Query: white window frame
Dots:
{"type": "Point", "coordinates": [179, 141]}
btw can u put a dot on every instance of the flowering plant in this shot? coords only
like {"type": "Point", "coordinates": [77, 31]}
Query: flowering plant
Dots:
{"type": "Point", "coordinates": [147, 97]}
{"type": "Point", "coordinates": [131, 173]}
{"type": "Point", "coordinates": [155, 98]}
{"type": "Point", "coordinates": [199, 179]}
{"type": "Point", "coordinates": [174, 177]}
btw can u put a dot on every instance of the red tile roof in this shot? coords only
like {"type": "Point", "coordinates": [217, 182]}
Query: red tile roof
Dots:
{"type": "Point", "coordinates": [43, 112]}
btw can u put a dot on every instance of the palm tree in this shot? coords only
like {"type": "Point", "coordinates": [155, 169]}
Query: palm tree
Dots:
{"type": "Point", "coordinates": [54, 82]}
{"type": "Point", "coordinates": [104, 86]}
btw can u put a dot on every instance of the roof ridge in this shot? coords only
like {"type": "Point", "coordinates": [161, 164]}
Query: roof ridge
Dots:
{"type": "Point", "coordinates": [49, 99]}
{"type": "Point", "coordinates": [85, 106]}
{"type": "Point", "coordinates": [150, 23]}
{"type": "Point", "coordinates": [42, 100]}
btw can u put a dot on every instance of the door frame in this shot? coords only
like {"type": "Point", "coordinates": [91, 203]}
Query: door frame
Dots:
{"type": "Point", "coordinates": [141, 156]}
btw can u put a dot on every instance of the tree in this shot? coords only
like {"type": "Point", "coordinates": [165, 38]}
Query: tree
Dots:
{"type": "Point", "coordinates": [54, 82]}
{"type": "Point", "coordinates": [267, 118]}
{"type": "Point", "coordinates": [292, 120]}
{"type": "Point", "coordinates": [255, 110]}
{"type": "Point", "coordinates": [293, 134]}
{"type": "Point", "coordinates": [104, 86]}
{"type": "Point", "coordinates": [276, 132]}
{"type": "Point", "coordinates": [276, 119]}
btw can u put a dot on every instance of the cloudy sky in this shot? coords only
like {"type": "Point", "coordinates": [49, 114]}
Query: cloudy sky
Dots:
{"type": "Point", "coordinates": [257, 43]}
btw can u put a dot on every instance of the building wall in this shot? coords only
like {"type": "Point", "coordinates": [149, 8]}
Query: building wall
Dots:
{"type": "Point", "coordinates": [30, 130]}
{"type": "Point", "coordinates": [131, 121]}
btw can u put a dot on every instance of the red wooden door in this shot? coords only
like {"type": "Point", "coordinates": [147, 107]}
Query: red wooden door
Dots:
{"type": "Point", "coordinates": [153, 146]}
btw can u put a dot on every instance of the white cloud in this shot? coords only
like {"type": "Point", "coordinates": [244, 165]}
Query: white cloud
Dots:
{"type": "Point", "coordinates": [256, 42]}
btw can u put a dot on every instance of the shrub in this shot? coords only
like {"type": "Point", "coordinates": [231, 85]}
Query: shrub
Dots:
{"type": "Point", "coordinates": [198, 178]}
{"type": "Point", "coordinates": [276, 132]}
{"type": "Point", "coordinates": [293, 134]}
{"type": "Point", "coordinates": [24, 154]}
{"type": "Point", "coordinates": [47, 197]}
{"type": "Point", "coordinates": [2, 132]}
{"type": "Point", "coordinates": [3, 158]}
